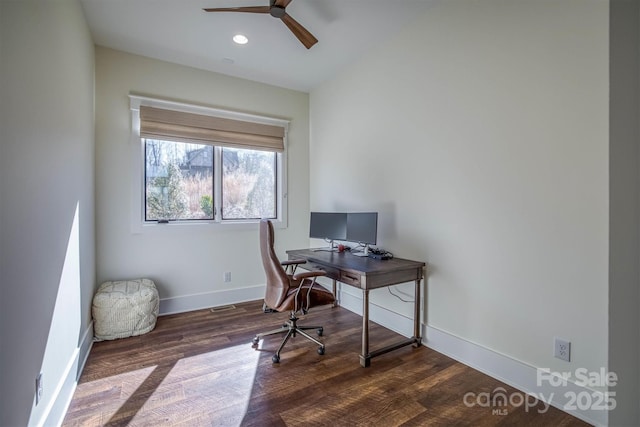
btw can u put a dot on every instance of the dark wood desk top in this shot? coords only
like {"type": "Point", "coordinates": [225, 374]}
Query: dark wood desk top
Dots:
{"type": "Point", "coordinates": [362, 272]}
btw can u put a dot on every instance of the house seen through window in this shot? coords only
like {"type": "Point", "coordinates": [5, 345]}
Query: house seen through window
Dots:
{"type": "Point", "coordinates": [183, 182]}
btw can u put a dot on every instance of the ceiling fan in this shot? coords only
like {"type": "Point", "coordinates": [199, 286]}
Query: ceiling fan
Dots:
{"type": "Point", "coordinates": [276, 9]}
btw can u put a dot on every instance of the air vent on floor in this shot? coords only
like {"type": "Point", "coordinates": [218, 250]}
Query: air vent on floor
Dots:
{"type": "Point", "coordinates": [223, 308]}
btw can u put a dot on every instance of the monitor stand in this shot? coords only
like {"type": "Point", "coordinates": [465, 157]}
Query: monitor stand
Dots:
{"type": "Point", "coordinates": [365, 252]}
{"type": "Point", "coordinates": [331, 248]}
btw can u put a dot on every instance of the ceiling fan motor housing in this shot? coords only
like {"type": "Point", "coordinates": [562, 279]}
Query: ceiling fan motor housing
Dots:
{"type": "Point", "coordinates": [277, 11]}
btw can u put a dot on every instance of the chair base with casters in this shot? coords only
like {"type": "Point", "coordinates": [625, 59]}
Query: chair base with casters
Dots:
{"type": "Point", "coordinates": [291, 329]}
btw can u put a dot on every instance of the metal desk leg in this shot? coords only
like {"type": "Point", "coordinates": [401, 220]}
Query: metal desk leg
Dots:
{"type": "Point", "coordinates": [335, 294]}
{"type": "Point", "coordinates": [365, 358]}
{"type": "Point", "coordinates": [416, 316]}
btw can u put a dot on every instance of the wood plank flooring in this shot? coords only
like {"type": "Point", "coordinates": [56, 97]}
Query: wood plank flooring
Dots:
{"type": "Point", "coordinates": [199, 369]}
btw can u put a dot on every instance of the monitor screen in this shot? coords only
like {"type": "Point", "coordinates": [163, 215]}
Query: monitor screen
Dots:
{"type": "Point", "coordinates": [362, 227]}
{"type": "Point", "coordinates": [328, 225]}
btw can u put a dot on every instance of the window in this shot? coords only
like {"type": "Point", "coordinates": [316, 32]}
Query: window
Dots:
{"type": "Point", "coordinates": [178, 181]}
{"type": "Point", "coordinates": [248, 184]}
{"type": "Point", "coordinates": [205, 165]}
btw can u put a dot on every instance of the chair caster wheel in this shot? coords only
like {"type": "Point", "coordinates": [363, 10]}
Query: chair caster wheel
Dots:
{"type": "Point", "coordinates": [321, 350]}
{"type": "Point", "coordinates": [319, 331]}
{"type": "Point", "coordinates": [255, 341]}
{"type": "Point", "coordinates": [275, 358]}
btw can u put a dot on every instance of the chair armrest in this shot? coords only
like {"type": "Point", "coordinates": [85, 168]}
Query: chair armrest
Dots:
{"type": "Point", "coordinates": [293, 262]}
{"type": "Point", "coordinates": [291, 265]}
{"type": "Point", "coordinates": [309, 274]}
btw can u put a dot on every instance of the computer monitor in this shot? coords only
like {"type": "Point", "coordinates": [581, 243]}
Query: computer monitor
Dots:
{"type": "Point", "coordinates": [362, 227]}
{"type": "Point", "coordinates": [328, 225]}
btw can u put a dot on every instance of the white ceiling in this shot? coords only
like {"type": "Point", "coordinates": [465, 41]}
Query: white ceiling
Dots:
{"type": "Point", "coordinates": [180, 31]}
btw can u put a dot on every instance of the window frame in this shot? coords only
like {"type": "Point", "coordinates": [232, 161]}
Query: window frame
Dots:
{"type": "Point", "coordinates": [138, 156]}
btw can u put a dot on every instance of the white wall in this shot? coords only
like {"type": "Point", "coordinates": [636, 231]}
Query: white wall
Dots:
{"type": "Point", "coordinates": [480, 134]}
{"type": "Point", "coordinates": [186, 262]}
{"type": "Point", "coordinates": [46, 205]}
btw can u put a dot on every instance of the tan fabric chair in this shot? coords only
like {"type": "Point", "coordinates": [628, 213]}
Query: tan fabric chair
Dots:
{"type": "Point", "coordinates": [287, 291]}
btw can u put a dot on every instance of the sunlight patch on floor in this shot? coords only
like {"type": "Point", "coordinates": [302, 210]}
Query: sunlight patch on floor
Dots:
{"type": "Point", "coordinates": [223, 379]}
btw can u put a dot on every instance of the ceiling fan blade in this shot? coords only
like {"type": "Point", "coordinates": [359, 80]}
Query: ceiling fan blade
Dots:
{"type": "Point", "coordinates": [305, 37]}
{"type": "Point", "coordinates": [250, 9]}
{"type": "Point", "coordinates": [282, 3]}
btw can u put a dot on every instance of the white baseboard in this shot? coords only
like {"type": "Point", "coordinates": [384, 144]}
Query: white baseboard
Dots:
{"type": "Point", "coordinates": [193, 302]}
{"type": "Point", "coordinates": [63, 393]}
{"type": "Point", "coordinates": [522, 376]}
{"type": "Point", "coordinates": [515, 373]}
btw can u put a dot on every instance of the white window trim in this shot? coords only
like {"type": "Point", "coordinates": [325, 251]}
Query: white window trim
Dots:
{"type": "Point", "coordinates": [138, 223]}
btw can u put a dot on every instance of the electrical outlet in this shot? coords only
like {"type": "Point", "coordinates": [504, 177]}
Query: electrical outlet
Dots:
{"type": "Point", "coordinates": [227, 276]}
{"type": "Point", "coordinates": [39, 388]}
{"type": "Point", "coordinates": [562, 349]}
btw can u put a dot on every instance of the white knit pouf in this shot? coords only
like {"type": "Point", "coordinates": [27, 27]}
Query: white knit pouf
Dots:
{"type": "Point", "coordinates": [124, 308]}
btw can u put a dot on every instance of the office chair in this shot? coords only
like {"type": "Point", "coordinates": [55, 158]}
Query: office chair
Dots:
{"type": "Point", "coordinates": [287, 291]}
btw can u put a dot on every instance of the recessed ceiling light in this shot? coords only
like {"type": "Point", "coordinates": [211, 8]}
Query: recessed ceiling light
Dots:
{"type": "Point", "coordinates": [240, 39]}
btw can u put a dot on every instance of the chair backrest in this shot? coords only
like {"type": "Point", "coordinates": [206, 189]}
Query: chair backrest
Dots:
{"type": "Point", "coordinates": [277, 280]}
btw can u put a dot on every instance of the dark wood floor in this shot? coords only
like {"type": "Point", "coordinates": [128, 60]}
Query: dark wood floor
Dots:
{"type": "Point", "coordinates": [199, 369]}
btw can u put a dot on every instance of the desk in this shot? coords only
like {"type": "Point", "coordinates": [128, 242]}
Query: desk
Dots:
{"type": "Point", "coordinates": [367, 273]}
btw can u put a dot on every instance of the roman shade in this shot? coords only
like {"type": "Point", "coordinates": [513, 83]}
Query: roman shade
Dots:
{"type": "Point", "coordinates": [172, 125]}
